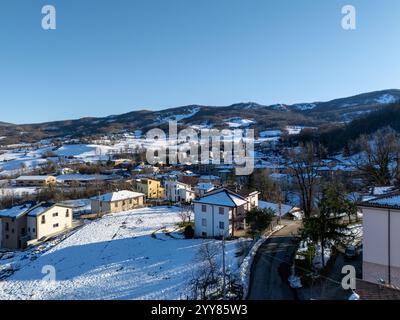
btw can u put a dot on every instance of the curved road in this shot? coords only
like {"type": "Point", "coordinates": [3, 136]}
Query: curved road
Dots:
{"type": "Point", "coordinates": [271, 266]}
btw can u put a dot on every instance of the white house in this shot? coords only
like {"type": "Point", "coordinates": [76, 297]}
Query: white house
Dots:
{"type": "Point", "coordinates": [221, 213]}
{"type": "Point", "coordinates": [176, 191]}
{"type": "Point", "coordinates": [48, 219]}
{"type": "Point", "coordinates": [381, 239]}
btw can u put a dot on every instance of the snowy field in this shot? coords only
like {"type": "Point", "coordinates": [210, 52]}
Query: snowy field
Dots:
{"type": "Point", "coordinates": [18, 191]}
{"type": "Point", "coordinates": [121, 256]}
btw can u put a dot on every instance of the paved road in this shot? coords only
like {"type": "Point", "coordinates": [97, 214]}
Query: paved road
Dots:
{"type": "Point", "coordinates": [271, 267]}
{"type": "Point", "coordinates": [329, 287]}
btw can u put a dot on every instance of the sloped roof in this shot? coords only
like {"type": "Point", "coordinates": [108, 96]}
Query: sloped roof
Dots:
{"type": "Point", "coordinates": [119, 196]}
{"type": "Point", "coordinates": [33, 178]}
{"type": "Point", "coordinates": [387, 201]}
{"type": "Point", "coordinates": [37, 211]}
{"type": "Point", "coordinates": [16, 211]}
{"type": "Point", "coordinates": [285, 208]}
{"type": "Point", "coordinates": [222, 197]}
{"type": "Point", "coordinates": [205, 186]}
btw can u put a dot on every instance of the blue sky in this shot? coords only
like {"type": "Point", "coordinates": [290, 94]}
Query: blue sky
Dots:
{"type": "Point", "coordinates": [110, 57]}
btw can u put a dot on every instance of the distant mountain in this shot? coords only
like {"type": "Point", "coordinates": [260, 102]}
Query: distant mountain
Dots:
{"type": "Point", "coordinates": [246, 114]}
{"type": "Point", "coordinates": [336, 138]}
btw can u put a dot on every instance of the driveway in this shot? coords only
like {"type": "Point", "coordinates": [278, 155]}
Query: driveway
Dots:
{"type": "Point", "coordinates": [271, 266]}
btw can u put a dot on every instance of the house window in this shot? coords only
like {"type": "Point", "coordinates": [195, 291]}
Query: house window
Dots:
{"type": "Point", "coordinates": [55, 214]}
{"type": "Point", "coordinates": [116, 205]}
{"type": "Point", "coordinates": [203, 208]}
{"type": "Point", "coordinates": [67, 213]}
{"type": "Point", "coordinates": [22, 231]}
{"type": "Point", "coordinates": [204, 234]}
{"type": "Point", "coordinates": [221, 225]}
{"type": "Point", "coordinates": [221, 210]}
{"type": "Point", "coordinates": [7, 236]}
{"type": "Point", "coordinates": [130, 201]}
{"type": "Point", "coordinates": [204, 222]}
{"type": "Point", "coordinates": [43, 219]}
{"type": "Point", "coordinates": [7, 227]}
{"type": "Point", "coordinates": [33, 230]}
{"type": "Point", "coordinates": [12, 230]}
{"type": "Point", "coordinates": [55, 225]}
{"type": "Point", "coordinates": [29, 229]}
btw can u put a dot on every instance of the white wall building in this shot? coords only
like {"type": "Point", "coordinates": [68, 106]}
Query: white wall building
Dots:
{"type": "Point", "coordinates": [176, 191]}
{"type": "Point", "coordinates": [381, 243]}
{"type": "Point", "coordinates": [221, 213]}
{"type": "Point", "coordinates": [48, 219]}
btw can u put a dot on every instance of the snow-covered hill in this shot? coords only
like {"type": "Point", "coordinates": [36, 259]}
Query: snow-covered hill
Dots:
{"type": "Point", "coordinates": [121, 256]}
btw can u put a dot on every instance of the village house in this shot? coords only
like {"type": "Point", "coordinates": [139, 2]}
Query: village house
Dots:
{"type": "Point", "coordinates": [151, 188]}
{"type": "Point", "coordinates": [221, 212]}
{"type": "Point", "coordinates": [117, 202]}
{"type": "Point", "coordinates": [176, 191]}
{"type": "Point", "coordinates": [202, 188]}
{"type": "Point", "coordinates": [35, 181]}
{"type": "Point", "coordinates": [77, 179]}
{"type": "Point", "coordinates": [48, 219]}
{"type": "Point", "coordinates": [26, 224]}
{"type": "Point", "coordinates": [381, 222]}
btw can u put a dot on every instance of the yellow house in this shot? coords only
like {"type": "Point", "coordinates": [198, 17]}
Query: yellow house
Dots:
{"type": "Point", "coordinates": [151, 188]}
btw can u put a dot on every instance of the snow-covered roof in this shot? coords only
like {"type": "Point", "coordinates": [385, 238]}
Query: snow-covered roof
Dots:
{"type": "Point", "coordinates": [119, 196]}
{"type": "Point", "coordinates": [222, 197]}
{"type": "Point", "coordinates": [33, 178]}
{"type": "Point", "coordinates": [37, 211]}
{"type": "Point", "coordinates": [205, 186]}
{"type": "Point", "coordinates": [209, 177]}
{"type": "Point", "coordinates": [76, 203]}
{"type": "Point", "coordinates": [378, 191]}
{"type": "Point", "coordinates": [15, 212]}
{"type": "Point", "coordinates": [285, 208]}
{"type": "Point", "coordinates": [387, 201]}
{"type": "Point", "coordinates": [81, 177]}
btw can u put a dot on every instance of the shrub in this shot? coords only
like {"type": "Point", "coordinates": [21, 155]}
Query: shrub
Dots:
{"type": "Point", "coordinates": [189, 232]}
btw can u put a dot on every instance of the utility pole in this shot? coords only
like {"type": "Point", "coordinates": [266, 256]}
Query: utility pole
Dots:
{"type": "Point", "coordinates": [223, 268]}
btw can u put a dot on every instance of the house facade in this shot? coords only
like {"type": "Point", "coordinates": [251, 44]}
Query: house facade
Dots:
{"type": "Point", "coordinates": [176, 191]}
{"type": "Point", "coordinates": [23, 225]}
{"type": "Point", "coordinates": [48, 219]}
{"type": "Point", "coordinates": [221, 213]}
{"type": "Point", "coordinates": [151, 188]}
{"type": "Point", "coordinates": [117, 202]}
{"type": "Point", "coordinates": [381, 239]}
{"type": "Point", "coordinates": [35, 181]}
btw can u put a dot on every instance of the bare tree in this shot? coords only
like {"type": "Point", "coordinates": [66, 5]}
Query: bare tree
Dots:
{"type": "Point", "coordinates": [303, 165]}
{"type": "Point", "coordinates": [185, 213]}
{"type": "Point", "coordinates": [205, 279]}
{"type": "Point", "coordinates": [378, 160]}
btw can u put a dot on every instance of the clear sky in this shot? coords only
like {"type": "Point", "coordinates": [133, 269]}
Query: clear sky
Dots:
{"type": "Point", "coordinates": [114, 56]}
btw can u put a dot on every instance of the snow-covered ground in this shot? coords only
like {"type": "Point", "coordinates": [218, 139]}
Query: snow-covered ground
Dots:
{"type": "Point", "coordinates": [293, 130]}
{"type": "Point", "coordinates": [239, 122]}
{"type": "Point", "coordinates": [18, 191]}
{"type": "Point", "coordinates": [121, 256]}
